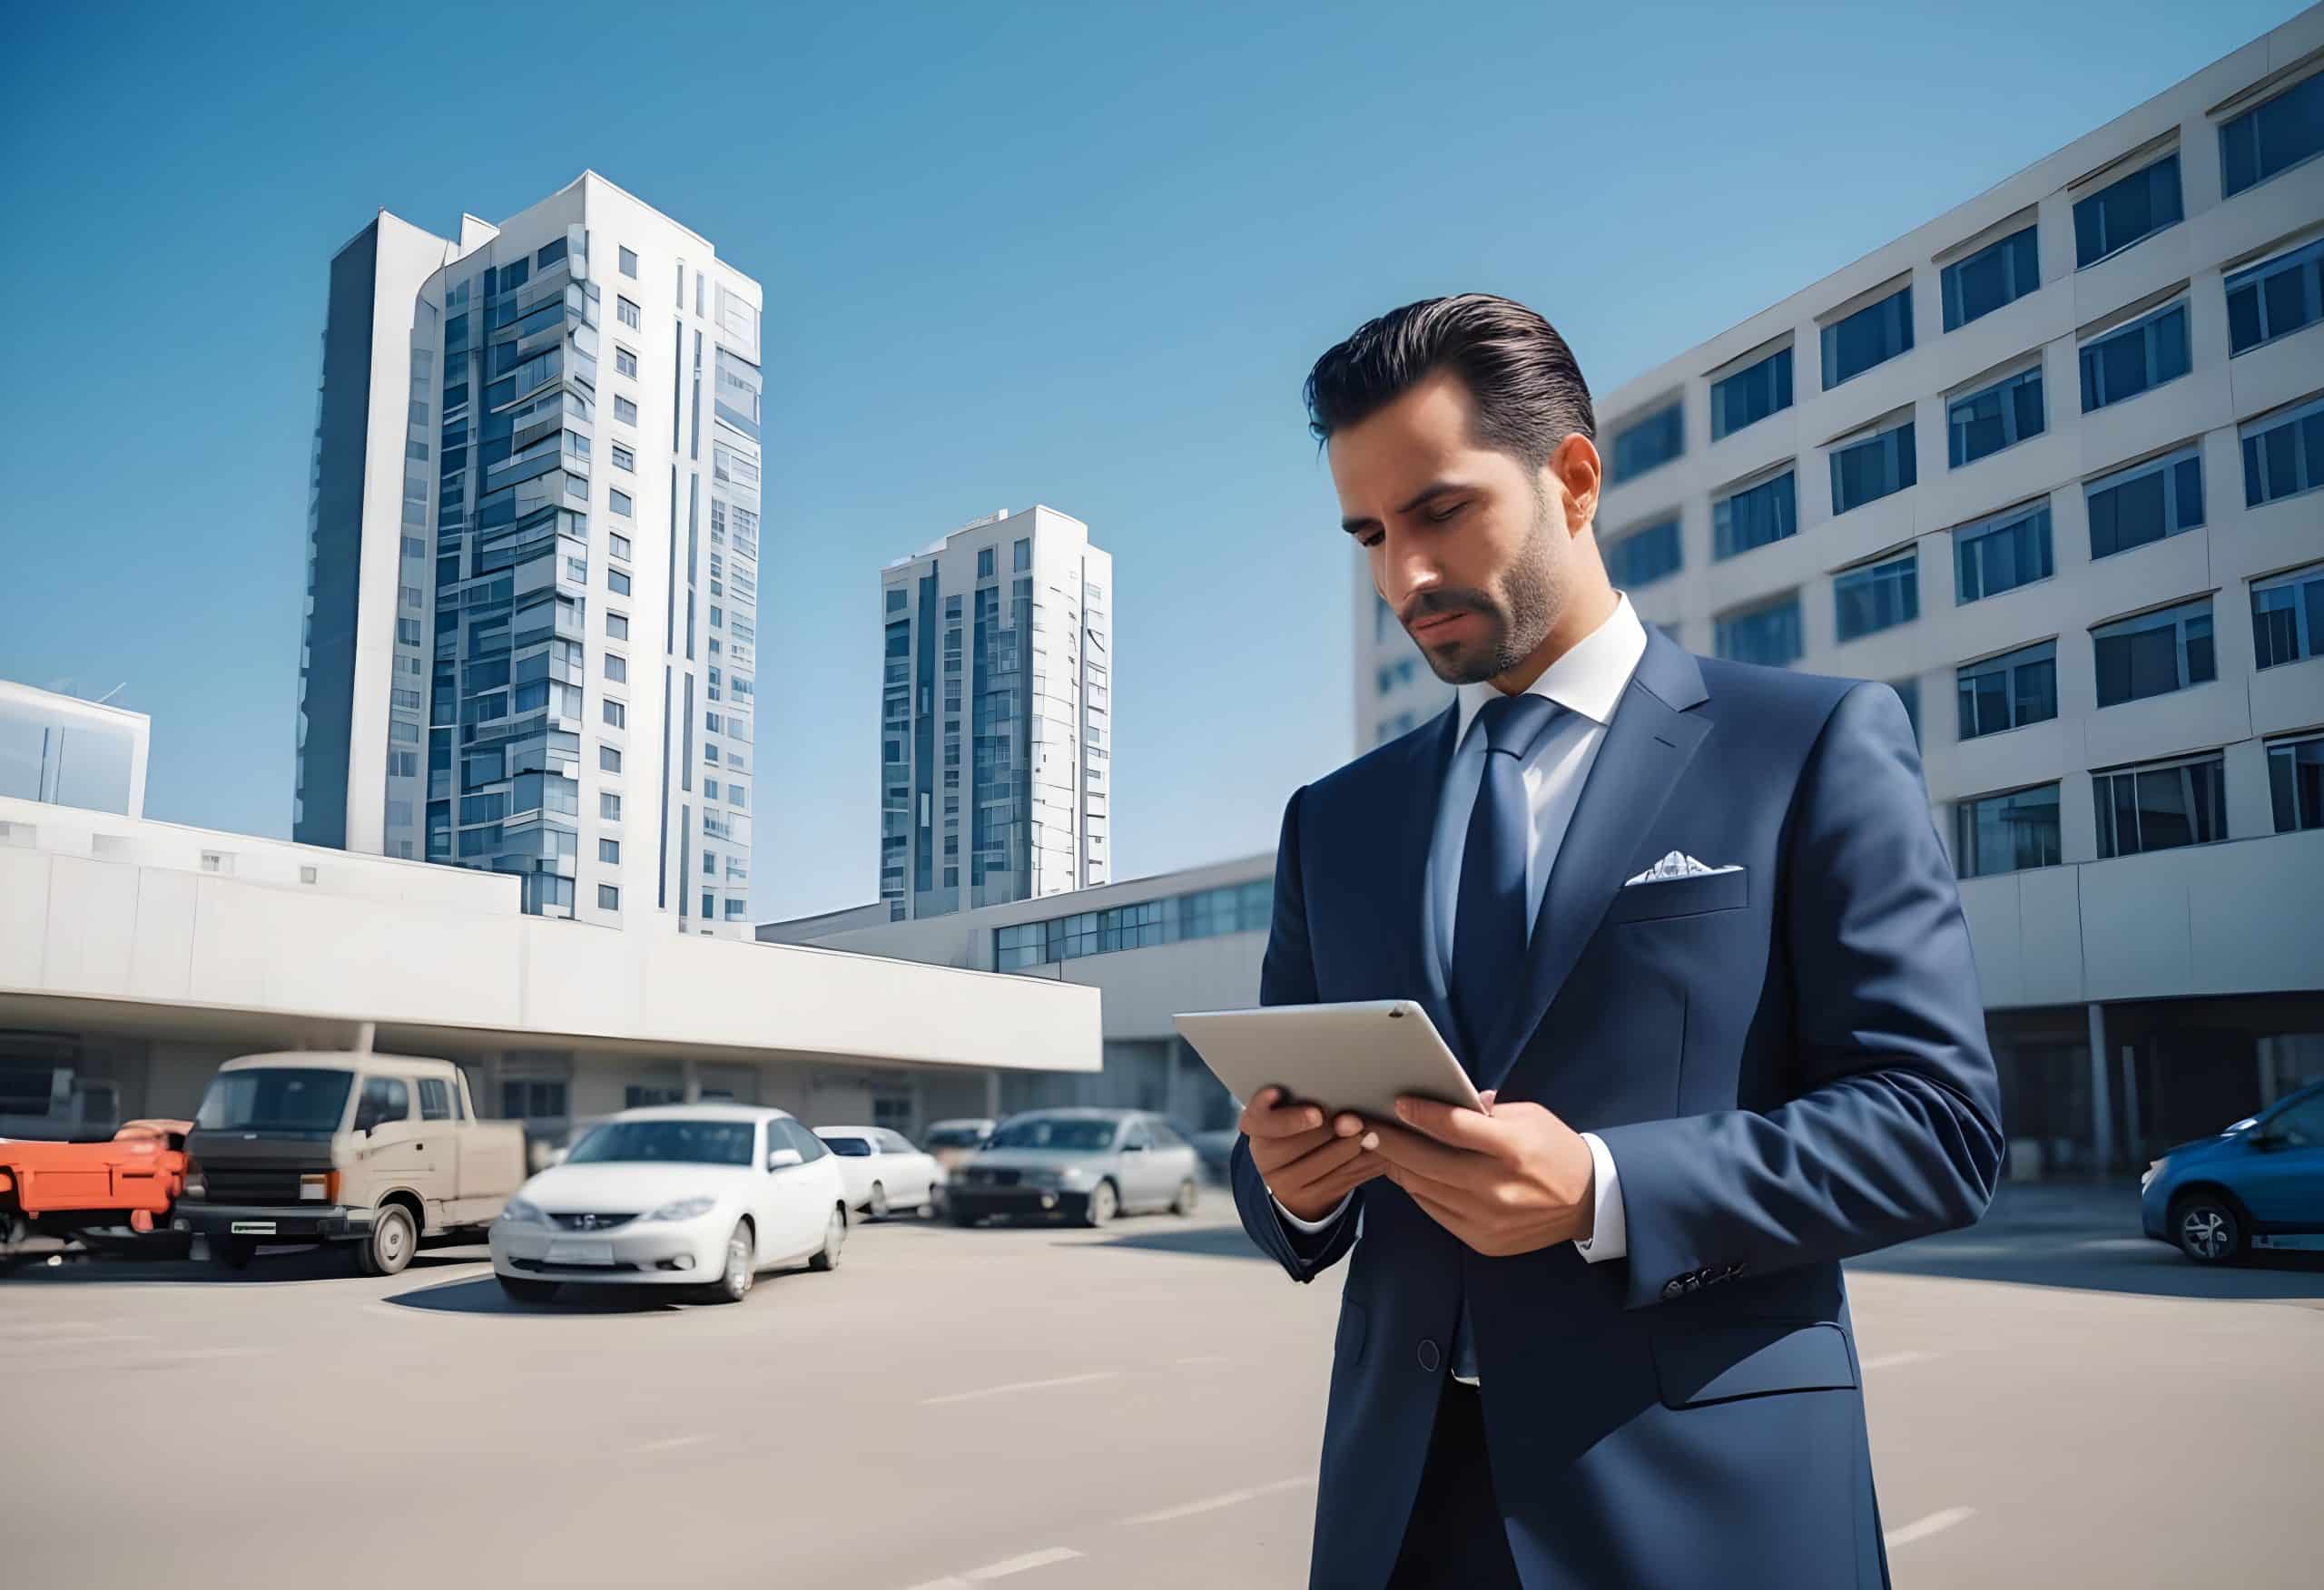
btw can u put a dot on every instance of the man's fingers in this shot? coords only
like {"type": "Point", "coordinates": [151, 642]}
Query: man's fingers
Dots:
{"type": "Point", "coordinates": [1272, 1154]}
{"type": "Point", "coordinates": [1426, 1189]}
{"type": "Point", "coordinates": [1455, 1126]}
{"type": "Point", "coordinates": [1301, 1171]}
{"type": "Point", "coordinates": [1444, 1215]}
{"type": "Point", "coordinates": [1414, 1151]}
{"type": "Point", "coordinates": [1278, 1120]}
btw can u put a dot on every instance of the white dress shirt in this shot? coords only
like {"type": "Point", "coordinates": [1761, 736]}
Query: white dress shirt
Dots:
{"type": "Point", "coordinates": [1588, 681]}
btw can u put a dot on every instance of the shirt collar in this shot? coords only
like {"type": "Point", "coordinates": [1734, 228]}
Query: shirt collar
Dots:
{"type": "Point", "coordinates": [1589, 679]}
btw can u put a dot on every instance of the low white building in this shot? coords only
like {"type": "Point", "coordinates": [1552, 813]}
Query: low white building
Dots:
{"type": "Point", "coordinates": [139, 955]}
{"type": "Point", "coordinates": [1151, 947]}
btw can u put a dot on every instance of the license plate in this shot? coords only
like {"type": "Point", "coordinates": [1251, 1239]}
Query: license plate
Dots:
{"type": "Point", "coordinates": [573, 1251]}
{"type": "Point", "coordinates": [253, 1228]}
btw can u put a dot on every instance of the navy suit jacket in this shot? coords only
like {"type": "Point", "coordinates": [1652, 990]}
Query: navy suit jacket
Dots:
{"type": "Point", "coordinates": [1789, 1066]}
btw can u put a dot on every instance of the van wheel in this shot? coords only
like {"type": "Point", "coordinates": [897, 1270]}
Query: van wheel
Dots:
{"type": "Point", "coordinates": [390, 1247]}
{"type": "Point", "coordinates": [234, 1252]}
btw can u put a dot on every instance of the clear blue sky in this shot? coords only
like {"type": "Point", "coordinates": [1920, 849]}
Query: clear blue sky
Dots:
{"type": "Point", "coordinates": [1065, 253]}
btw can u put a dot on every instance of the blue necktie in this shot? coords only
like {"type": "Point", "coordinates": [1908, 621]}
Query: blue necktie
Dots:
{"type": "Point", "coordinates": [1491, 923]}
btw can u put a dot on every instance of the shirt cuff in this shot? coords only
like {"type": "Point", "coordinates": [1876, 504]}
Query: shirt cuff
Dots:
{"type": "Point", "coordinates": [1609, 1232]}
{"type": "Point", "coordinates": [1310, 1227]}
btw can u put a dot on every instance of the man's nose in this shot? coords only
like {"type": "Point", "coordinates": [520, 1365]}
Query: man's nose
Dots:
{"type": "Point", "coordinates": [1407, 572]}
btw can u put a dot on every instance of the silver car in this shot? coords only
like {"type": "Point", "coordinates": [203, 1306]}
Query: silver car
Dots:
{"type": "Point", "coordinates": [1089, 1165]}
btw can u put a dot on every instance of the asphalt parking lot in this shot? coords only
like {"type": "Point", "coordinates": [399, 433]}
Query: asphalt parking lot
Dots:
{"type": "Point", "coordinates": [2052, 1401]}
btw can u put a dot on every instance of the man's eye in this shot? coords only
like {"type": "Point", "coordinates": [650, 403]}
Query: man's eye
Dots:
{"type": "Point", "coordinates": [1372, 540]}
{"type": "Point", "coordinates": [1447, 513]}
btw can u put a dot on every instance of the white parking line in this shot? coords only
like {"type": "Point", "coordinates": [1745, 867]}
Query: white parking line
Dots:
{"type": "Point", "coordinates": [1921, 1528]}
{"type": "Point", "coordinates": [1232, 1498]}
{"type": "Point", "coordinates": [672, 1443]}
{"type": "Point", "coordinates": [991, 1571]}
{"type": "Point", "coordinates": [1889, 1360]}
{"type": "Point", "coordinates": [1020, 1385]}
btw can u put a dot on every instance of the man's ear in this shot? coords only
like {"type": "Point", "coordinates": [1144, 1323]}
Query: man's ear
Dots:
{"type": "Point", "coordinates": [1578, 474]}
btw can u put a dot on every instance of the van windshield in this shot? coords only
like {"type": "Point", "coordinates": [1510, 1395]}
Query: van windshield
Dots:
{"type": "Point", "coordinates": [285, 1099]}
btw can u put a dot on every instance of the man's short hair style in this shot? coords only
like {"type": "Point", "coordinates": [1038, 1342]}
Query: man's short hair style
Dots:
{"type": "Point", "coordinates": [1528, 390]}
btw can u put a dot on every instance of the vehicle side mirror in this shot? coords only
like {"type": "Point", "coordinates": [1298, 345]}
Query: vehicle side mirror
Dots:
{"type": "Point", "coordinates": [2263, 1140]}
{"type": "Point", "coordinates": [783, 1159]}
{"type": "Point", "coordinates": [1133, 1148]}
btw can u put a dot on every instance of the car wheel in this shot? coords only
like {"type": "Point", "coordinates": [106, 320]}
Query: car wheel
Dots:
{"type": "Point", "coordinates": [521, 1290]}
{"type": "Point", "coordinates": [2207, 1229]}
{"type": "Point", "coordinates": [390, 1247]}
{"type": "Point", "coordinates": [1102, 1204]}
{"type": "Point", "coordinates": [733, 1282]}
{"type": "Point", "coordinates": [834, 1236]}
{"type": "Point", "coordinates": [1188, 1195]}
{"type": "Point", "coordinates": [876, 1206]}
{"type": "Point", "coordinates": [234, 1252]}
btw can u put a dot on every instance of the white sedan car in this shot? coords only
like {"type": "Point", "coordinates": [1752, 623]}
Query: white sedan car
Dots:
{"type": "Point", "coordinates": [882, 1169]}
{"type": "Point", "coordinates": [689, 1196]}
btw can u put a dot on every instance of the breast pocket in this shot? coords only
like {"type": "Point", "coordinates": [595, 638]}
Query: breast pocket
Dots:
{"type": "Point", "coordinates": [1681, 897]}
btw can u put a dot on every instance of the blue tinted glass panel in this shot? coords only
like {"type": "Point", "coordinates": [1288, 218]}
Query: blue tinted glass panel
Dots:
{"type": "Point", "coordinates": [1880, 597]}
{"type": "Point", "coordinates": [1770, 635]}
{"type": "Point", "coordinates": [2288, 619]}
{"type": "Point", "coordinates": [2003, 552]}
{"type": "Point", "coordinates": [2001, 416]}
{"type": "Point", "coordinates": [1998, 274]}
{"type": "Point", "coordinates": [2154, 654]}
{"type": "Point", "coordinates": [2006, 833]}
{"type": "Point", "coordinates": [1872, 469]}
{"type": "Point", "coordinates": [2140, 357]}
{"type": "Point", "coordinates": [2009, 692]}
{"type": "Point", "coordinates": [1873, 335]}
{"type": "Point", "coordinates": [2123, 213]}
{"type": "Point", "coordinates": [2272, 136]}
{"type": "Point", "coordinates": [2296, 784]}
{"type": "Point", "coordinates": [1750, 394]}
{"type": "Point", "coordinates": [2275, 299]}
{"type": "Point", "coordinates": [2283, 455]}
{"type": "Point", "coordinates": [1649, 444]}
{"type": "Point", "coordinates": [2145, 503]}
{"type": "Point", "coordinates": [1753, 517]}
{"type": "Point", "coordinates": [1644, 557]}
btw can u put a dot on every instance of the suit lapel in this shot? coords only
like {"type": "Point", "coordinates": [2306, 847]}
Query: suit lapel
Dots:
{"type": "Point", "coordinates": [1423, 781]}
{"type": "Point", "coordinates": [1653, 737]}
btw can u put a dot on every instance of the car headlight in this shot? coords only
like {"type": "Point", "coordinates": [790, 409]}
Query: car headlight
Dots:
{"type": "Point", "coordinates": [2153, 1169]}
{"type": "Point", "coordinates": [685, 1209]}
{"type": "Point", "coordinates": [518, 1212]}
{"type": "Point", "coordinates": [1073, 1175]}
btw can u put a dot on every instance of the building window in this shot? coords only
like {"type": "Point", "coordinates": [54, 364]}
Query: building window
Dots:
{"type": "Point", "coordinates": [2138, 358]}
{"type": "Point", "coordinates": [2125, 211]}
{"type": "Point", "coordinates": [1908, 692]}
{"type": "Point", "coordinates": [2275, 299]}
{"type": "Point", "coordinates": [1750, 394]}
{"type": "Point", "coordinates": [709, 907]}
{"type": "Point", "coordinates": [628, 262]}
{"type": "Point", "coordinates": [1643, 556]}
{"type": "Point", "coordinates": [1755, 516]}
{"type": "Point", "coordinates": [1874, 335]}
{"type": "Point", "coordinates": [1998, 274]}
{"type": "Point", "coordinates": [2272, 136]}
{"type": "Point", "coordinates": [1769, 635]}
{"type": "Point", "coordinates": [2283, 454]}
{"type": "Point", "coordinates": [624, 458]}
{"type": "Point", "coordinates": [2288, 617]}
{"type": "Point", "coordinates": [2161, 808]}
{"type": "Point", "coordinates": [986, 569]}
{"type": "Point", "coordinates": [625, 362]}
{"type": "Point", "coordinates": [2146, 502]}
{"type": "Point", "coordinates": [407, 632]}
{"type": "Point", "coordinates": [1648, 443]}
{"type": "Point", "coordinates": [2008, 692]}
{"type": "Point", "coordinates": [625, 411]}
{"type": "Point", "coordinates": [532, 1099]}
{"type": "Point", "coordinates": [608, 759]}
{"type": "Point", "coordinates": [616, 581]}
{"type": "Point", "coordinates": [608, 898]}
{"type": "Point", "coordinates": [1879, 466]}
{"type": "Point", "coordinates": [2296, 782]}
{"type": "Point", "coordinates": [618, 546]}
{"type": "Point", "coordinates": [609, 806]}
{"type": "Point", "coordinates": [896, 601]}
{"type": "Point", "coordinates": [620, 504]}
{"type": "Point", "coordinates": [609, 853]}
{"type": "Point", "coordinates": [2010, 549]}
{"type": "Point", "coordinates": [2155, 653]}
{"type": "Point", "coordinates": [2000, 416]}
{"type": "Point", "coordinates": [616, 626]}
{"type": "Point", "coordinates": [616, 668]}
{"type": "Point", "coordinates": [2006, 833]}
{"type": "Point", "coordinates": [617, 715]}
{"type": "Point", "coordinates": [627, 312]}
{"type": "Point", "coordinates": [1021, 556]}
{"type": "Point", "coordinates": [1877, 596]}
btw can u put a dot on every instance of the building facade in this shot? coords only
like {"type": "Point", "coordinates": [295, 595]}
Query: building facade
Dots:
{"type": "Point", "coordinates": [66, 751]}
{"type": "Point", "coordinates": [2049, 466]}
{"type": "Point", "coordinates": [996, 722]}
{"type": "Point", "coordinates": [533, 563]}
{"type": "Point", "coordinates": [1152, 948]}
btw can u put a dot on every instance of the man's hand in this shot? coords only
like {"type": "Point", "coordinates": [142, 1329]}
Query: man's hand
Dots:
{"type": "Point", "coordinates": [1510, 1181]}
{"type": "Point", "coordinates": [1308, 1163]}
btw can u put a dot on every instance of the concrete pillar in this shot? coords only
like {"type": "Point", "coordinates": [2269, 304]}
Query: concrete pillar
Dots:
{"type": "Point", "coordinates": [689, 1081]}
{"type": "Point", "coordinates": [2266, 1051]}
{"type": "Point", "coordinates": [992, 1095]}
{"type": "Point", "coordinates": [2101, 1103]}
{"type": "Point", "coordinates": [2133, 1137]}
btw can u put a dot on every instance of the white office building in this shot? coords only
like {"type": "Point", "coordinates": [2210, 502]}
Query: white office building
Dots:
{"type": "Point", "coordinates": [530, 642]}
{"type": "Point", "coordinates": [67, 752]}
{"type": "Point", "coordinates": [996, 722]}
{"type": "Point", "coordinates": [2050, 465]}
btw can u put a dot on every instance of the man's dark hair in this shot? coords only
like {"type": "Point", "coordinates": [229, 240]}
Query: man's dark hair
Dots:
{"type": "Point", "coordinates": [1528, 390]}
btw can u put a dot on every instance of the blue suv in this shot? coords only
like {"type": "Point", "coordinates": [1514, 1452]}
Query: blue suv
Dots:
{"type": "Point", "coordinates": [2258, 1184]}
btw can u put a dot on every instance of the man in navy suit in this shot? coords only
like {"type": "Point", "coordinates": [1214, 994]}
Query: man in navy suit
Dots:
{"type": "Point", "coordinates": [1690, 927]}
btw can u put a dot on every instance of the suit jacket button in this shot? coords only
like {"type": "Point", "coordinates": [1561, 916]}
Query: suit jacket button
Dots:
{"type": "Point", "coordinates": [1428, 1359]}
{"type": "Point", "coordinates": [1673, 1288]}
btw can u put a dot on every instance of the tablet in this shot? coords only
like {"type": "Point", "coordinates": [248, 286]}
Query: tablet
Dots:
{"type": "Point", "coordinates": [1360, 1057]}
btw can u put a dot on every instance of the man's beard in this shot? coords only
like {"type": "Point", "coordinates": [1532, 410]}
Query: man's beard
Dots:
{"type": "Point", "coordinates": [1516, 630]}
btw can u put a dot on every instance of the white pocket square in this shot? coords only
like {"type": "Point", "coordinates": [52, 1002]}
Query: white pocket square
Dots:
{"type": "Point", "coordinates": [1677, 864]}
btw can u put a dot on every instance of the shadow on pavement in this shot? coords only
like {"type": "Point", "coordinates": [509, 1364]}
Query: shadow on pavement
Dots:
{"type": "Point", "coordinates": [1217, 1242]}
{"type": "Point", "coordinates": [482, 1295]}
{"type": "Point", "coordinates": [267, 1268]}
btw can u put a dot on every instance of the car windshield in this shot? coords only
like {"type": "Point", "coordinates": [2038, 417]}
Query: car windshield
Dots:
{"type": "Point", "coordinates": [1074, 1135]}
{"type": "Point", "coordinates": [954, 1137]}
{"type": "Point", "coordinates": [691, 1143]}
{"type": "Point", "coordinates": [852, 1147]}
{"type": "Point", "coordinates": [298, 1100]}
